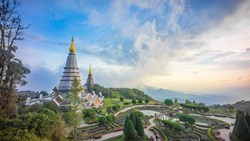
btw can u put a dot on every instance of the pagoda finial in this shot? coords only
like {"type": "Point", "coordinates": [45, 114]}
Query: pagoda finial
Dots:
{"type": "Point", "coordinates": [72, 48]}
{"type": "Point", "coordinates": [90, 69]}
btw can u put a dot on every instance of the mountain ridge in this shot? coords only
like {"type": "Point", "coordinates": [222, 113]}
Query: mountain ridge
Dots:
{"type": "Point", "coordinates": [162, 94]}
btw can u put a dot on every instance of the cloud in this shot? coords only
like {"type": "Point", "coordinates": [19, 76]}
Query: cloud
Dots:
{"type": "Point", "coordinates": [156, 43]}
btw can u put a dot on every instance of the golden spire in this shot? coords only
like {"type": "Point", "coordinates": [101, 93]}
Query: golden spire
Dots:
{"type": "Point", "coordinates": [90, 69]}
{"type": "Point", "coordinates": [72, 48]}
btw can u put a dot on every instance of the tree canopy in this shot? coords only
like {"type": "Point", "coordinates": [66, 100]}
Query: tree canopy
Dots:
{"type": "Point", "coordinates": [12, 71]}
{"type": "Point", "coordinates": [168, 102]}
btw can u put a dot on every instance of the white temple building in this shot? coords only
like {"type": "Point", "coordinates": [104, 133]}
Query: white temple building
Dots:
{"type": "Point", "coordinates": [71, 71]}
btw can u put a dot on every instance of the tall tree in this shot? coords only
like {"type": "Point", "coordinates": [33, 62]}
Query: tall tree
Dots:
{"type": "Point", "coordinates": [248, 119]}
{"type": "Point", "coordinates": [130, 132]}
{"type": "Point", "coordinates": [241, 129]}
{"type": "Point", "coordinates": [74, 94]}
{"type": "Point", "coordinates": [139, 127]}
{"type": "Point", "coordinates": [132, 118]}
{"type": "Point", "coordinates": [125, 125]}
{"type": "Point", "coordinates": [12, 71]}
{"type": "Point", "coordinates": [75, 101]}
{"type": "Point", "coordinates": [175, 100]}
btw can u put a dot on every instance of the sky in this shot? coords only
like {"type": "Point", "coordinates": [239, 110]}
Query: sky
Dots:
{"type": "Point", "coordinates": [194, 46]}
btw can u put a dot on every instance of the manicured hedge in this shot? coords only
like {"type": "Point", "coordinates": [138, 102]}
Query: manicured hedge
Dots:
{"type": "Point", "coordinates": [195, 107]}
{"type": "Point", "coordinates": [210, 133]}
{"type": "Point", "coordinates": [162, 134]}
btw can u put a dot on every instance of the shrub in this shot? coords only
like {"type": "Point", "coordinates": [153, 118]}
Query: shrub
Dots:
{"type": "Point", "coordinates": [110, 118]}
{"type": "Point", "coordinates": [127, 103]}
{"type": "Point", "coordinates": [102, 120]}
{"type": "Point", "coordinates": [140, 101]}
{"type": "Point", "coordinates": [133, 101]}
{"type": "Point", "coordinates": [121, 99]}
{"type": "Point", "coordinates": [116, 107]}
{"type": "Point", "coordinates": [146, 101]}
{"type": "Point", "coordinates": [168, 102]}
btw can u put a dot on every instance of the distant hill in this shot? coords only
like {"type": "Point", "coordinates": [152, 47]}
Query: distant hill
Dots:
{"type": "Point", "coordinates": [161, 94]}
{"type": "Point", "coordinates": [121, 92]}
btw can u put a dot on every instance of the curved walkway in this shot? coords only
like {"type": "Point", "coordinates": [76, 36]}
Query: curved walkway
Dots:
{"type": "Point", "coordinates": [136, 106]}
{"type": "Point", "coordinates": [147, 131]}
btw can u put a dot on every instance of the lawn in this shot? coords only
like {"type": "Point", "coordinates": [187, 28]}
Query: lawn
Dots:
{"type": "Point", "coordinates": [109, 102]}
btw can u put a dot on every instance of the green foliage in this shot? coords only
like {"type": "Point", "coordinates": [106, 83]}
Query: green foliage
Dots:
{"type": "Point", "coordinates": [172, 125]}
{"type": "Point", "coordinates": [188, 101]}
{"type": "Point", "coordinates": [210, 134]}
{"type": "Point", "coordinates": [121, 92]}
{"type": "Point", "coordinates": [73, 96]}
{"type": "Point", "coordinates": [33, 126]}
{"type": "Point", "coordinates": [195, 107]}
{"type": "Point", "coordinates": [139, 127]}
{"type": "Point", "coordinates": [187, 118]}
{"type": "Point", "coordinates": [161, 133]}
{"type": "Point", "coordinates": [136, 119]}
{"type": "Point", "coordinates": [201, 104]}
{"type": "Point", "coordinates": [116, 107]}
{"type": "Point", "coordinates": [121, 99]}
{"type": "Point", "coordinates": [177, 128]}
{"type": "Point", "coordinates": [134, 101]}
{"type": "Point", "coordinates": [12, 71]}
{"type": "Point", "coordinates": [91, 113]}
{"type": "Point", "coordinates": [140, 101]}
{"type": "Point", "coordinates": [126, 122]}
{"type": "Point", "coordinates": [132, 118]}
{"type": "Point", "coordinates": [194, 102]}
{"type": "Point", "coordinates": [72, 119]}
{"type": "Point", "coordinates": [105, 91]}
{"type": "Point", "coordinates": [127, 103]}
{"type": "Point", "coordinates": [52, 106]}
{"type": "Point", "coordinates": [111, 118]}
{"type": "Point", "coordinates": [109, 109]}
{"type": "Point", "coordinates": [146, 101]}
{"type": "Point", "coordinates": [102, 120]}
{"type": "Point", "coordinates": [168, 102]}
{"type": "Point", "coordinates": [138, 114]}
{"type": "Point", "coordinates": [241, 129]}
{"type": "Point", "coordinates": [175, 100]}
{"type": "Point", "coordinates": [130, 132]}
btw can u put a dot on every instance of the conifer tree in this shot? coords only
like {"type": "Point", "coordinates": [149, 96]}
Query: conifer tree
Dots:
{"type": "Point", "coordinates": [130, 132]}
{"type": "Point", "coordinates": [125, 125]}
{"type": "Point", "coordinates": [241, 129]}
{"type": "Point", "coordinates": [236, 121]}
{"type": "Point", "coordinates": [132, 118]}
{"type": "Point", "coordinates": [139, 127]}
{"type": "Point", "coordinates": [248, 119]}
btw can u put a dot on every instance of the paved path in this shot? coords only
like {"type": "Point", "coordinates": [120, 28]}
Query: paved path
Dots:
{"type": "Point", "coordinates": [128, 108]}
{"type": "Point", "coordinates": [110, 135]}
{"type": "Point", "coordinates": [147, 131]}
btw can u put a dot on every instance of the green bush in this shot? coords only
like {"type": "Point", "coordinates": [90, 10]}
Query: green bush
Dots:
{"type": "Point", "coordinates": [102, 120]}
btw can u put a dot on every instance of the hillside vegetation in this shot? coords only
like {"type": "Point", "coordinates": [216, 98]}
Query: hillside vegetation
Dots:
{"type": "Point", "coordinates": [127, 93]}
